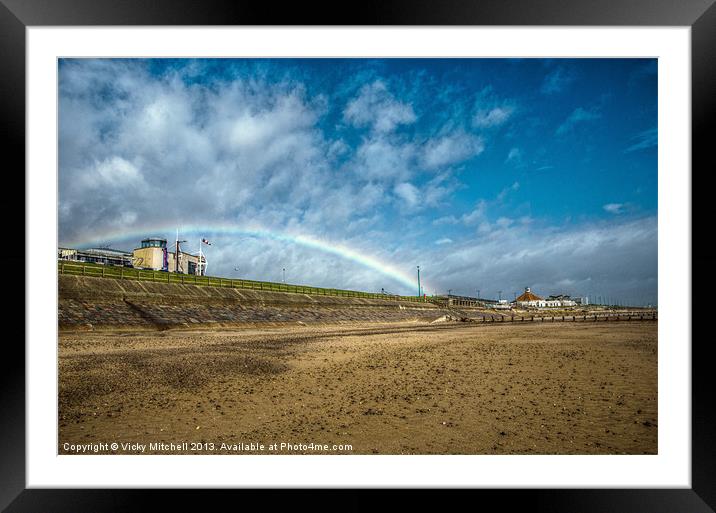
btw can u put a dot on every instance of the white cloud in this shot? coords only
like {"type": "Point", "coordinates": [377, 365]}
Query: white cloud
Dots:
{"type": "Point", "coordinates": [384, 159]}
{"type": "Point", "coordinates": [578, 115]}
{"type": "Point", "coordinates": [408, 193]}
{"type": "Point", "coordinates": [584, 260]}
{"type": "Point", "coordinates": [186, 153]}
{"type": "Point", "coordinates": [112, 173]}
{"type": "Point", "coordinates": [445, 240]}
{"type": "Point", "coordinates": [450, 149]}
{"type": "Point", "coordinates": [507, 190]}
{"type": "Point", "coordinates": [446, 220]}
{"type": "Point", "coordinates": [643, 140]}
{"type": "Point", "coordinates": [375, 106]}
{"type": "Point", "coordinates": [487, 118]}
{"type": "Point", "coordinates": [504, 222]}
{"type": "Point", "coordinates": [557, 80]}
{"type": "Point", "coordinates": [484, 228]}
{"type": "Point", "coordinates": [439, 189]}
{"type": "Point", "coordinates": [514, 156]}
{"type": "Point", "coordinates": [614, 208]}
{"type": "Point", "coordinates": [476, 215]}
{"type": "Point", "coordinates": [491, 111]}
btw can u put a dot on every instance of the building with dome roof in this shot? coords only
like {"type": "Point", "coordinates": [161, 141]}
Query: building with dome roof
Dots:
{"type": "Point", "coordinates": [530, 299]}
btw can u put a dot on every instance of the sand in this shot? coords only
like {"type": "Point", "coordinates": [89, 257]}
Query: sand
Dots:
{"type": "Point", "coordinates": [410, 388]}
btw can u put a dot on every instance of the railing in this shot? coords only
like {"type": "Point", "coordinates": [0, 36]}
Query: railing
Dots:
{"type": "Point", "coordinates": [595, 317]}
{"type": "Point", "coordinates": [127, 273]}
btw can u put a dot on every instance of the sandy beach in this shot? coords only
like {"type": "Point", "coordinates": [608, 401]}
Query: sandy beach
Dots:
{"type": "Point", "coordinates": [399, 388]}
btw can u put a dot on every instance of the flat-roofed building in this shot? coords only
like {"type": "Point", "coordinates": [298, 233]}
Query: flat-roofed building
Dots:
{"type": "Point", "coordinates": [560, 300]}
{"type": "Point", "coordinates": [154, 254]}
{"type": "Point", "coordinates": [103, 256]}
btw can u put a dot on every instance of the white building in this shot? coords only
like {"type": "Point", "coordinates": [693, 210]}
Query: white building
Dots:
{"type": "Point", "coordinates": [561, 300]}
{"type": "Point", "coordinates": [529, 299]}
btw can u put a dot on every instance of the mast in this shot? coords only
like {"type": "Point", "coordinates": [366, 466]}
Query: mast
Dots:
{"type": "Point", "coordinates": [201, 259]}
{"type": "Point", "coordinates": [177, 252]}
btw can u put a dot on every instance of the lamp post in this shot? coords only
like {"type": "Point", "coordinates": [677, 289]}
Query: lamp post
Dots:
{"type": "Point", "coordinates": [177, 253]}
{"type": "Point", "coordinates": [418, 281]}
{"type": "Point", "coordinates": [284, 275]}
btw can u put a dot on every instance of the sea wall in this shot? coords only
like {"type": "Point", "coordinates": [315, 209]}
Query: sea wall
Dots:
{"type": "Point", "coordinates": [96, 303]}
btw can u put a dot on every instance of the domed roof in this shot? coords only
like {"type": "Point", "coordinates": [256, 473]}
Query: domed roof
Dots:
{"type": "Point", "coordinates": [529, 296]}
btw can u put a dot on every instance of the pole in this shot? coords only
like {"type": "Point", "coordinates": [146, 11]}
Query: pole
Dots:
{"type": "Point", "coordinates": [176, 254]}
{"type": "Point", "coordinates": [418, 281]}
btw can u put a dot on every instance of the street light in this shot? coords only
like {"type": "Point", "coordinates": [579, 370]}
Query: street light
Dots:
{"type": "Point", "coordinates": [284, 275]}
{"type": "Point", "coordinates": [418, 281]}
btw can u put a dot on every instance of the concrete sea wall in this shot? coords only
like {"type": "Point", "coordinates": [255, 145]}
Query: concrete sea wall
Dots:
{"type": "Point", "coordinates": [96, 303]}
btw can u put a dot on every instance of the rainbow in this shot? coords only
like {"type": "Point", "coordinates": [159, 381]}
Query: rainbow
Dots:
{"type": "Point", "coordinates": [385, 268]}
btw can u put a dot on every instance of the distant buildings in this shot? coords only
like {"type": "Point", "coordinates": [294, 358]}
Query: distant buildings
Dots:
{"type": "Point", "coordinates": [502, 304]}
{"type": "Point", "coordinates": [96, 256]}
{"type": "Point", "coordinates": [530, 299]}
{"type": "Point", "coordinates": [152, 254]}
{"type": "Point", "coordinates": [560, 300]}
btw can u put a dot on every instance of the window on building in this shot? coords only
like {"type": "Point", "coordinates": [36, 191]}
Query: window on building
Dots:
{"type": "Point", "coordinates": [154, 243]}
{"type": "Point", "coordinates": [192, 268]}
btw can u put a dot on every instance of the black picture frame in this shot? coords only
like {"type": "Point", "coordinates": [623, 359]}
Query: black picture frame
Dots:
{"type": "Point", "coordinates": [17, 15]}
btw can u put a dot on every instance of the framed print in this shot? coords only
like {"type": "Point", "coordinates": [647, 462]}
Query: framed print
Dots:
{"type": "Point", "coordinates": [449, 249]}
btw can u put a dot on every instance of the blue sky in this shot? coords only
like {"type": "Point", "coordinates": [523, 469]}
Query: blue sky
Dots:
{"type": "Point", "coordinates": [491, 174]}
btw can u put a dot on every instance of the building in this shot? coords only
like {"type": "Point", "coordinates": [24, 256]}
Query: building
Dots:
{"type": "Point", "coordinates": [501, 304]}
{"type": "Point", "coordinates": [560, 300]}
{"type": "Point", "coordinates": [103, 256]}
{"type": "Point", "coordinates": [154, 254]}
{"type": "Point", "coordinates": [530, 299]}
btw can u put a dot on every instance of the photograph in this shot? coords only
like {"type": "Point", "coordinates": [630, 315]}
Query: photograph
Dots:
{"type": "Point", "coordinates": [357, 256]}
{"type": "Point", "coordinates": [312, 253]}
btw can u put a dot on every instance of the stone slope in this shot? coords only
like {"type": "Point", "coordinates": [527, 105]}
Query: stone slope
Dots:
{"type": "Point", "coordinates": [87, 302]}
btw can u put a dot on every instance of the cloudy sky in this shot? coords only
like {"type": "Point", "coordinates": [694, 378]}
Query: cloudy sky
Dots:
{"type": "Point", "coordinates": [490, 174]}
